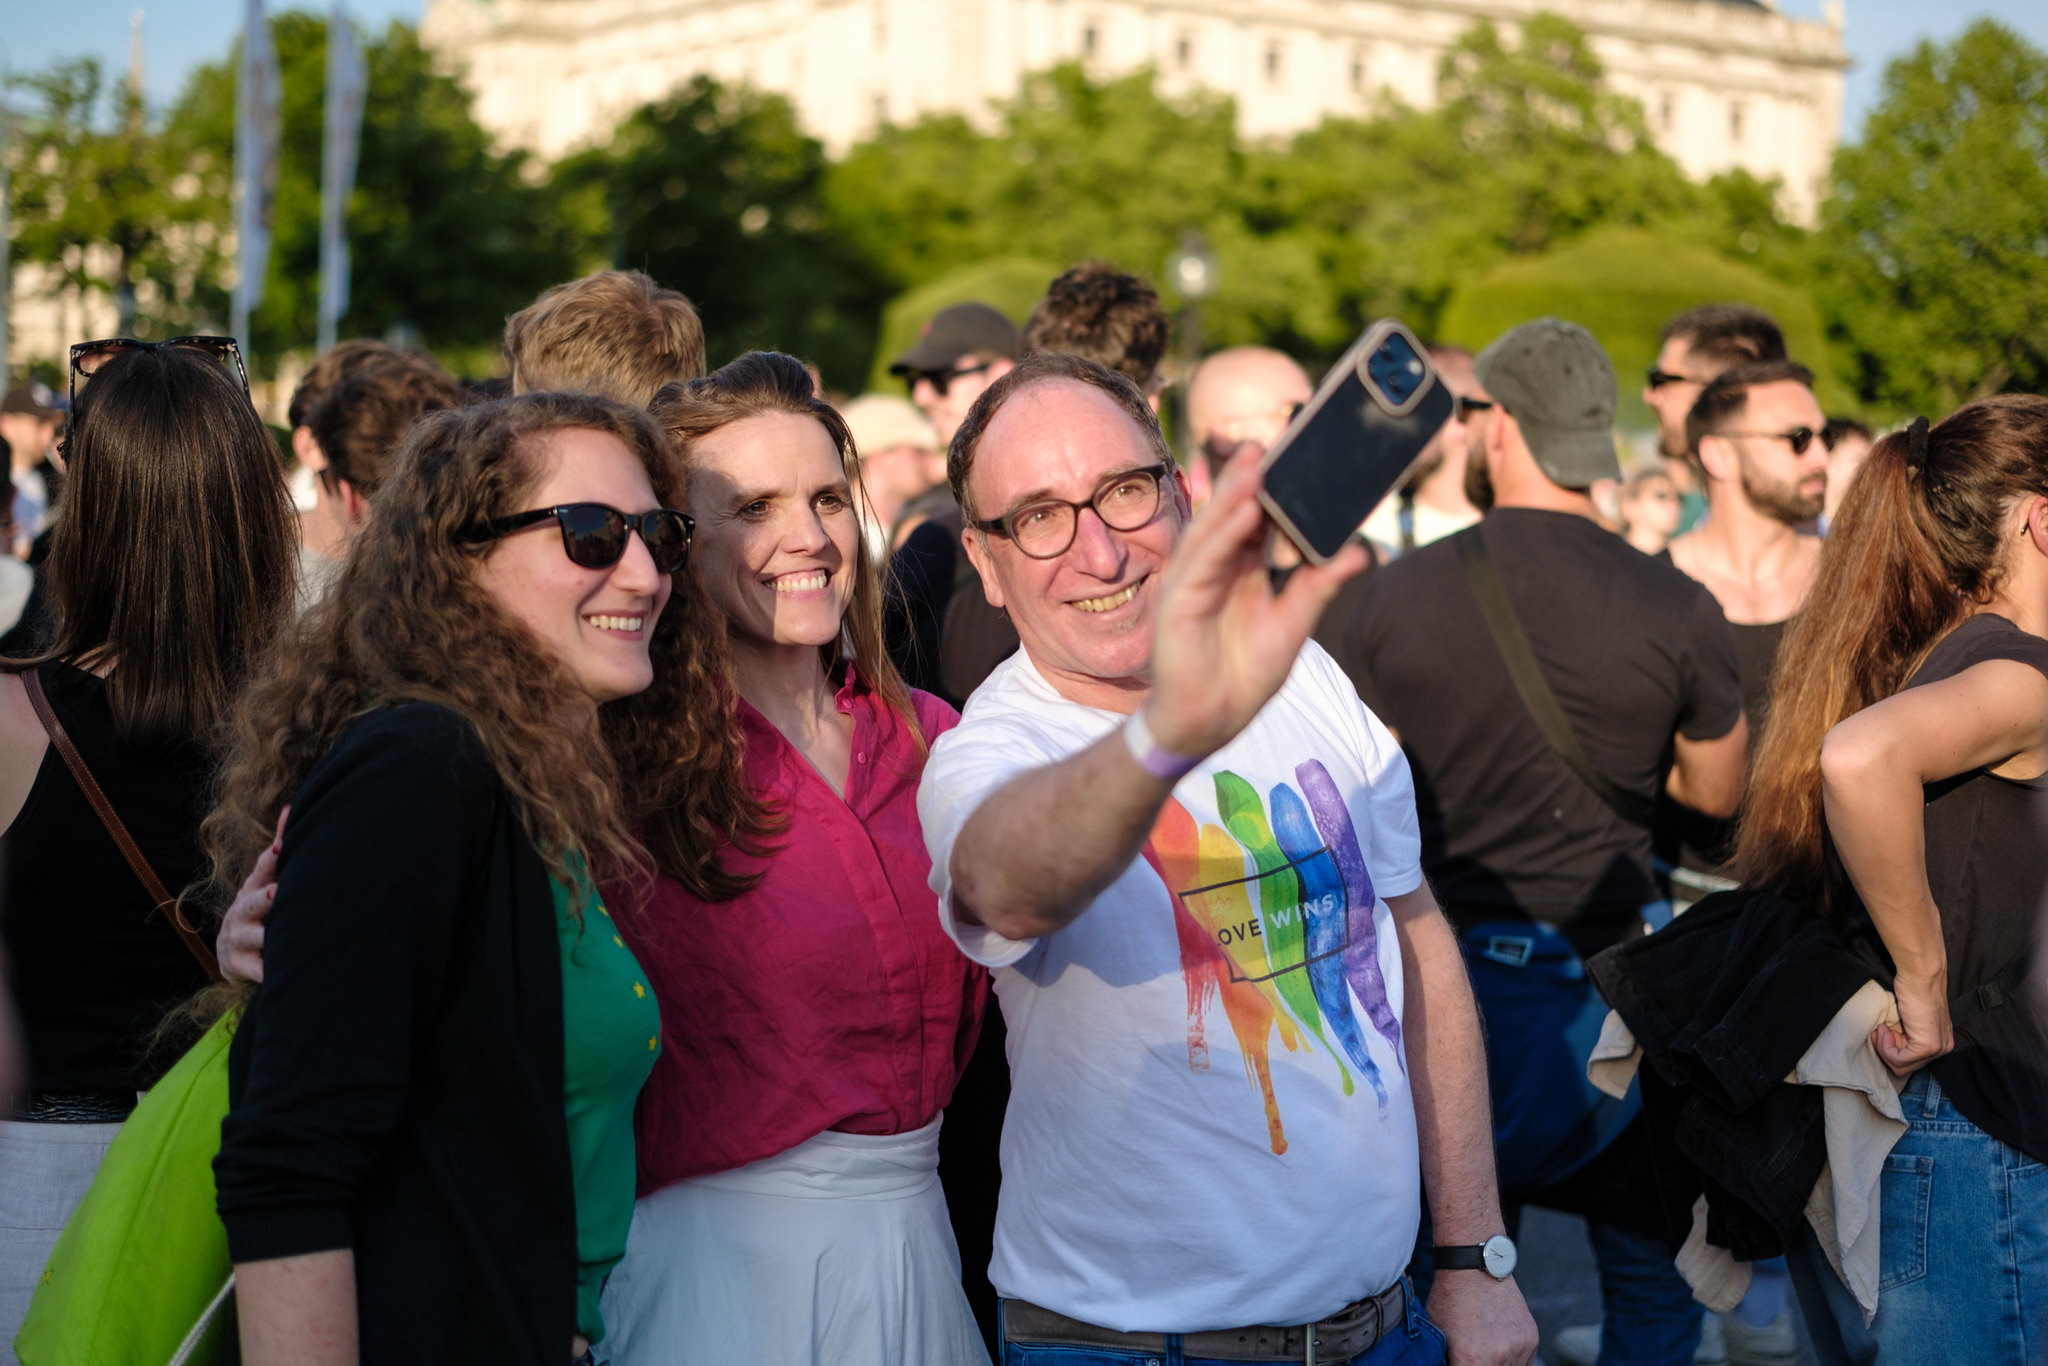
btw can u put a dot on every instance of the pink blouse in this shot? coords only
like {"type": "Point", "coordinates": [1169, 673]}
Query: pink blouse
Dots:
{"type": "Point", "coordinates": [827, 997]}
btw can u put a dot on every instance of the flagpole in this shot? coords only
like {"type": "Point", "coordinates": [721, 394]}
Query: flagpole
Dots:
{"type": "Point", "coordinates": [344, 112]}
{"type": "Point", "coordinates": [245, 173]}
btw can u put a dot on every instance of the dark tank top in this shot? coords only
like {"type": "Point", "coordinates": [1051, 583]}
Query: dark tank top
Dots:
{"type": "Point", "coordinates": [92, 966]}
{"type": "Point", "coordinates": [1690, 840]}
{"type": "Point", "coordinates": [1987, 865]}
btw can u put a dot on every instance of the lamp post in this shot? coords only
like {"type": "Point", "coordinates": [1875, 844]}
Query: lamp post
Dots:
{"type": "Point", "coordinates": [1193, 272]}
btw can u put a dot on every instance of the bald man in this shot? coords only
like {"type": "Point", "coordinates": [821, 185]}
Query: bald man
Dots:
{"type": "Point", "coordinates": [1244, 393]}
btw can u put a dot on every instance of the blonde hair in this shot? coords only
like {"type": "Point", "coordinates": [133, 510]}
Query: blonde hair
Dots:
{"type": "Point", "coordinates": [616, 334]}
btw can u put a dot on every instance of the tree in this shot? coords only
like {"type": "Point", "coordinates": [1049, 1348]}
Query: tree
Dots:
{"type": "Point", "coordinates": [1933, 266]}
{"type": "Point", "coordinates": [718, 193]}
{"type": "Point", "coordinates": [446, 236]}
{"type": "Point", "coordinates": [96, 196]}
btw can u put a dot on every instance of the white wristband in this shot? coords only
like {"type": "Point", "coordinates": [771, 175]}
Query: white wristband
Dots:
{"type": "Point", "coordinates": [1161, 763]}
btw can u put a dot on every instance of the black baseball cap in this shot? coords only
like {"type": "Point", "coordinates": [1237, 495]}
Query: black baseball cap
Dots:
{"type": "Point", "coordinates": [34, 397]}
{"type": "Point", "coordinates": [1559, 385]}
{"type": "Point", "coordinates": [958, 331]}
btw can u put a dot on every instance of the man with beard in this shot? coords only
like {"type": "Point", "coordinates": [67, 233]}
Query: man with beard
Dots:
{"type": "Point", "coordinates": [1760, 443]}
{"type": "Point", "coordinates": [1693, 349]}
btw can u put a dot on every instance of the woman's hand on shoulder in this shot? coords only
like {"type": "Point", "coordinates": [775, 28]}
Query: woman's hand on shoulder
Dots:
{"type": "Point", "coordinates": [239, 945]}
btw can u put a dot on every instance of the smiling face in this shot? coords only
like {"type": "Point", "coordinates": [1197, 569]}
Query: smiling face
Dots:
{"type": "Point", "coordinates": [597, 622]}
{"type": "Point", "coordinates": [776, 541]}
{"type": "Point", "coordinates": [1084, 616]}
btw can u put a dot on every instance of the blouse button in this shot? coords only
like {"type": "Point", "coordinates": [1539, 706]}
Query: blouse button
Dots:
{"type": "Point", "coordinates": [862, 756]}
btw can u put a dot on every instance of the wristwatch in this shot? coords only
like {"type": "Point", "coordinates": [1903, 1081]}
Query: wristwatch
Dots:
{"type": "Point", "coordinates": [1496, 1257]}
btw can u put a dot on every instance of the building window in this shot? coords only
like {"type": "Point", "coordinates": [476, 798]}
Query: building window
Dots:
{"type": "Point", "coordinates": [1088, 41]}
{"type": "Point", "coordinates": [1273, 62]}
{"type": "Point", "coordinates": [1667, 112]}
{"type": "Point", "coordinates": [1735, 121]}
{"type": "Point", "coordinates": [881, 110]}
{"type": "Point", "coordinates": [1358, 69]}
{"type": "Point", "coordinates": [1184, 51]}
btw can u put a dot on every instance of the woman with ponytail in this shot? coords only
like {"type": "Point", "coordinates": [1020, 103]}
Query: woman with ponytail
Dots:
{"type": "Point", "coordinates": [1901, 787]}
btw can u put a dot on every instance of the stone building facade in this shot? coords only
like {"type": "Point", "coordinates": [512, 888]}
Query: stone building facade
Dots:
{"type": "Point", "coordinates": [1725, 83]}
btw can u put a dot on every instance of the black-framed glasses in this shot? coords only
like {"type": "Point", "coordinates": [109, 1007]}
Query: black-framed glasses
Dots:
{"type": "Point", "coordinates": [594, 535]}
{"type": "Point", "coordinates": [1798, 438]}
{"type": "Point", "coordinates": [1462, 408]}
{"type": "Point", "coordinates": [942, 380]}
{"type": "Point", "coordinates": [87, 358]}
{"type": "Point", "coordinates": [1044, 529]}
{"type": "Point", "coordinates": [1657, 378]}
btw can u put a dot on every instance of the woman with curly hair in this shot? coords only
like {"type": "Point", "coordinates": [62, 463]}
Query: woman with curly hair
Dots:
{"type": "Point", "coordinates": [813, 1026]}
{"type": "Point", "coordinates": [1902, 788]}
{"type": "Point", "coordinates": [512, 692]}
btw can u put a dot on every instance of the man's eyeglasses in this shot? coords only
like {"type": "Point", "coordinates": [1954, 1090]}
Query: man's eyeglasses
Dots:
{"type": "Point", "coordinates": [594, 535]}
{"type": "Point", "coordinates": [942, 380]}
{"type": "Point", "coordinates": [1799, 438]}
{"type": "Point", "coordinates": [87, 358]}
{"type": "Point", "coordinates": [1659, 378]}
{"type": "Point", "coordinates": [1462, 408]}
{"type": "Point", "coordinates": [1044, 529]}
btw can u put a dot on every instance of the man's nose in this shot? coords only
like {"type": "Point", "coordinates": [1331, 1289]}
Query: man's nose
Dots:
{"type": "Point", "coordinates": [1097, 550]}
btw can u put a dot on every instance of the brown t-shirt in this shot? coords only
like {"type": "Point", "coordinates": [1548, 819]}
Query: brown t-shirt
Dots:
{"type": "Point", "coordinates": [1987, 865]}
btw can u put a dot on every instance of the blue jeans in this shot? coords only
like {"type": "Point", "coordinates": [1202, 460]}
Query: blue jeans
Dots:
{"type": "Point", "coordinates": [1963, 1270]}
{"type": "Point", "coordinates": [1416, 1342]}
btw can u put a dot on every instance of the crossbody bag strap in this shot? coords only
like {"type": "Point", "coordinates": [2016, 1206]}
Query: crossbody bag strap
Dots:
{"type": "Point", "coordinates": [1542, 704]}
{"type": "Point", "coordinates": [104, 809]}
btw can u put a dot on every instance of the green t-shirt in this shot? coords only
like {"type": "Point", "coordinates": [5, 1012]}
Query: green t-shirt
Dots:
{"type": "Point", "coordinates": [611, 1034]}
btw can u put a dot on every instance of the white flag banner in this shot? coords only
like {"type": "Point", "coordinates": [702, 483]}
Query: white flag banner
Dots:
{"type": "Point", "coordinates": [347, 83]}
{"type": "Point", "coordinates": [258, 99]}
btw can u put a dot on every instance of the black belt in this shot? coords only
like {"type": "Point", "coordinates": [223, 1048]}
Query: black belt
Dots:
{"type": "Point", "coordinates": [1352, 1331]}
{"type": "Point", "coordinates": [76, 1107]}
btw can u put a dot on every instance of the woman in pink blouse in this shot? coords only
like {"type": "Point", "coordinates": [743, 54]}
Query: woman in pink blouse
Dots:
{"type": "Point", "coordinates": [813, 1027]}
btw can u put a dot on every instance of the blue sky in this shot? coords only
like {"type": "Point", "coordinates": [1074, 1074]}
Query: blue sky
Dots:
{"type": "Point", "coordinates": [182, 33]}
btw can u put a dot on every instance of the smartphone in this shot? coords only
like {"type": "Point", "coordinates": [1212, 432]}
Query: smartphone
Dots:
{"type": "Point", "coordinates": [1351, 443]}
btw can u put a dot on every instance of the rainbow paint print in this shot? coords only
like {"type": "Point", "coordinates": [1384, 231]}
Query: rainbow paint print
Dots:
{"type": "Point", "coordinates": [1273, 912]}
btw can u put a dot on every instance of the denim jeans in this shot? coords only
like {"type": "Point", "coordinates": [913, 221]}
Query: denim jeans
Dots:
{"type": "Point", "coordinates": [1963, 1266]}
{"type": "Point", "coordinates": [1416, 1342]}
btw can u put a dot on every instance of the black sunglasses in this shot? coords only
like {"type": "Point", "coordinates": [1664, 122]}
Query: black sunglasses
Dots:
{"type": "Point", "coordinates": [942, 380]}
{"type": "Point", "coordinates": [594, 535]}
{"type": "Point", "coordinates": [1462, 408]}
{"type": "Point", "coordinates": [1799, 438]}
{"type": "Point", "coordinates": [1659, 378]}
{"type": "Point", "coordinates": [87, 358]}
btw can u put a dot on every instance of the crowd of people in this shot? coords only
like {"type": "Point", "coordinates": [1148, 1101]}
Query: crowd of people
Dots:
{"type": "Point", "coordinates": [701, 871]}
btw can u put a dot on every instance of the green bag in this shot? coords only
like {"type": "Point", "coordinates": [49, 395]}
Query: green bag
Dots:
{"type": "Point", "coordinates": [141, 1272]}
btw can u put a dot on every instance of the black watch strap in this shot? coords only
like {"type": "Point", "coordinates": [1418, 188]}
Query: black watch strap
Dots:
{"type": "Point", "coordinates": [1470, 1257]}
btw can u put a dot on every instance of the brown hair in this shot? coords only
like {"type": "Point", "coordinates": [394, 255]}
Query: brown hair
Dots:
{"type": "Point", "coordinates": [408, 622]}
{"type": "Point", "coordinates": [1097, 311]}
{"type": "Point", "coordinates": [1725, 335]}
{"type": "Point", "coordinates": [615, 333]}
{"type": "Point", "coordinates": [769, 382]}
{"type": "Point", "coordinates": [1039, 368]}
{"type": "Point", "coordinates": [1726, 396]}
{"type": "Point", "coordinates": [1917, 542]}
{"type": "Point", "coordinates": [338, 360]}
{"type": "Point", "coordinates": [171, 556]}
{"type": "Point", "coordinates": [361, 418]}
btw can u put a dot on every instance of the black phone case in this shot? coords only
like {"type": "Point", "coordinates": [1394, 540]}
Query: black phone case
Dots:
{"type": "Point", "coordinates": [1347, 449]}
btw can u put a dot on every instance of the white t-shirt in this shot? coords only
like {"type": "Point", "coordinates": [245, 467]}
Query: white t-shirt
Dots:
{"type": "Point", "coordinates": [1210, 1124]}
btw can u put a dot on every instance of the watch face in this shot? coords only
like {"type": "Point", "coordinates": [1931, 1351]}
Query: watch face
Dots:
{"type": "Point", "coordinates": [1500, 1257]}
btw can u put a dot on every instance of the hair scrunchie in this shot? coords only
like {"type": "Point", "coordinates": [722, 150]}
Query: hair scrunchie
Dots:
{"type": "Point", "coordinates": [1916, 446]}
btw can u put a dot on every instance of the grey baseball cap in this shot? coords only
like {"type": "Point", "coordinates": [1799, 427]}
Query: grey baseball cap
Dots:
{"type": "Point", "coordinates": [1557, 382]}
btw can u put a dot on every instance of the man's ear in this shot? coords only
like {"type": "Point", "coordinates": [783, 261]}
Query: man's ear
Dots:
{"type": "Point", "coordinates": [307, 449]}
{"type": "Point", "coordinates": [354, 507]}
{"type": "Point", "coordinates": [1183, 493]}
{"type": "Point", "coordinates": [1719, 458]}
{"type": "Point", "coordinates": [975, 543]}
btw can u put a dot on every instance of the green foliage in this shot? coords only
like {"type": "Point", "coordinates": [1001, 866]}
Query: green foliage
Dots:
{"type": "Point", "coordinates": [1933, 261]}
{"type": "Point", "coordinates": [91, 179]}
{"type": "Point", "coordinates": [718, 192]}
{"type": "Point", "coordinates": [1010, 285]}
{"type": "Point", "coordinates": [446, 236]}
{"type": "Point", "coordinates": [1622, 285]}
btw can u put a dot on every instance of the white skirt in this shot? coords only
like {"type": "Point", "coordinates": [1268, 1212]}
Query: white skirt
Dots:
{"type": "Point", "coordinates": [837, 1252]}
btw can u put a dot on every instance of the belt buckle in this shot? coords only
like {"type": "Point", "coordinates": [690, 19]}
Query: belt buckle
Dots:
{"type": "Point", "coordinates": [1510, 950]}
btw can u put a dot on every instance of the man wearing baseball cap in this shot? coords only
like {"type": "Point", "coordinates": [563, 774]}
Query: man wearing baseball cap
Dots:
{"type": "Point", "coordinates": [28, 424]}
{"type": "Point", "coordinates": [961, 351]}
{"type": "Point", "coordinates": [1534, 832]}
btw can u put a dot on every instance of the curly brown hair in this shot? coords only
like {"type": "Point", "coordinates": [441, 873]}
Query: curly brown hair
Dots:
{"type": "Point", "coordinates": [770, 382]}
{"type": "Point", "coordinates": [409, 622]}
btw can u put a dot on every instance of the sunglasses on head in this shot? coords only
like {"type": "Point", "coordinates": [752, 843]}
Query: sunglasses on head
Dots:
{"type": "Point", "coordinates": [594, 535]}
{"type": "Point", "coordinates": [942, 380]}
{"type": "Point", "coordinates": [1799, 438]}
{"type": "Point", "coordinates": [87, 358]}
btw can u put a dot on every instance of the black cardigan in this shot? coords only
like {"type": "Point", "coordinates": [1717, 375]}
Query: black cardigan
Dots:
{"type": "Point", "coordinates": [396, 1085]}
